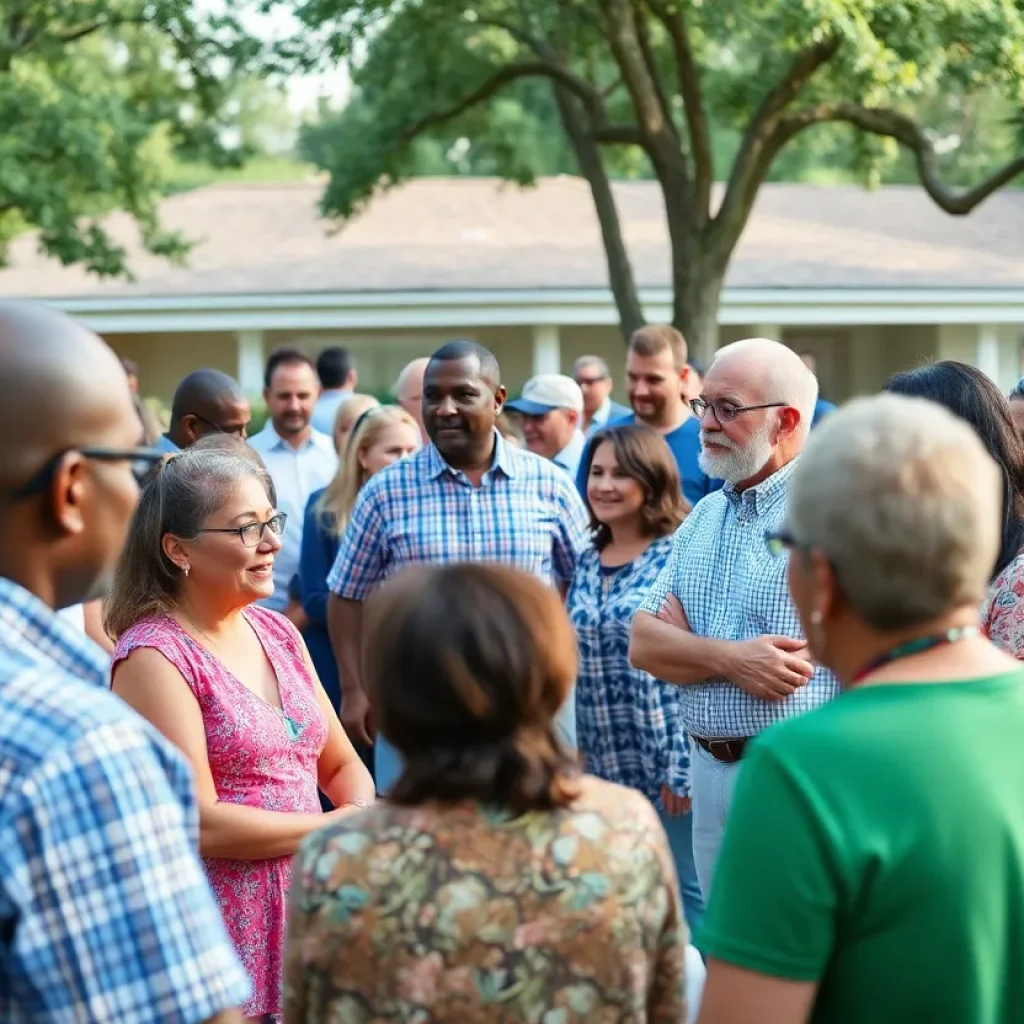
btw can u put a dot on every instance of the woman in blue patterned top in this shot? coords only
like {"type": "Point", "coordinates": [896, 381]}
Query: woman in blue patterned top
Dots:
{"type": "Point", "coordinates": [629, 726]}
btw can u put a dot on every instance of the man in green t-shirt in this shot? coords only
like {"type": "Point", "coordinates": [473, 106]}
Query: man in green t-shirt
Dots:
{"type": "Point", "coordinates": [873, 865]}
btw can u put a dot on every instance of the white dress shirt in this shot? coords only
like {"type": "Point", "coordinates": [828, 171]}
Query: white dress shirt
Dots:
{"type": "Point", "coordinates": [297, 473]}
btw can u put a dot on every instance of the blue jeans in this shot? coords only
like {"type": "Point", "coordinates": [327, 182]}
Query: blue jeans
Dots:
{"type": "Point", "coordinates": [713, 784]}
{"type": "Point", "coordinates": [388, 765]}
{"type": "Point", "coordinates": [680, 838]}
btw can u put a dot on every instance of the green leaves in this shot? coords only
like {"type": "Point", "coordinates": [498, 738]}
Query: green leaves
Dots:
{"type": "Point", "coordinates": [94, 96]}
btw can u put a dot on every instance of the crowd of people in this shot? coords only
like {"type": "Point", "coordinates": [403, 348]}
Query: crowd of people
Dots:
{"type": "Point", "coordinates": [473, 709]}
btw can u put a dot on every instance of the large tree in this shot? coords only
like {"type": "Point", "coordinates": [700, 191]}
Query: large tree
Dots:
{"type": "Point", "coordinates": [656, 78]}
{"type": "Point", "coordinates": [94, 95]}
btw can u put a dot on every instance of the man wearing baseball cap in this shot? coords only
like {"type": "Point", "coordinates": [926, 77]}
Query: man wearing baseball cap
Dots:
{"type": "Point", "coordinates": [551, 406]}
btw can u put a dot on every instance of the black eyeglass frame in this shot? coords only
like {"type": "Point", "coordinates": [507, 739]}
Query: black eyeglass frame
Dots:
{"type": "Point", "coordinates": [146, 459]}
{"type": "Point", "coordinates": [241, 432]}
{"type": "Point", "coordinates": [700, 407]}
{"type": "Point", "coordinates": [279, 517]}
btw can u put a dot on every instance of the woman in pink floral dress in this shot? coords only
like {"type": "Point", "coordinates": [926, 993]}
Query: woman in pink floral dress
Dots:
{"type": "Point", "coordinates": [232, 685]}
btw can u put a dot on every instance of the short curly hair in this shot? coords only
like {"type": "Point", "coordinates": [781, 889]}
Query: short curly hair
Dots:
{"type": "Point", "coordinates": [467, 666]}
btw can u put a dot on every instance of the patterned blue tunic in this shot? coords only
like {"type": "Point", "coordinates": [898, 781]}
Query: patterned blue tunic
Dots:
{"type": "Point", "coordinates": [629, 725]}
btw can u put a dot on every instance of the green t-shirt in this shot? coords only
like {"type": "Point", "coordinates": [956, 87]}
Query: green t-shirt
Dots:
{"type": "Point", "coordinates": [876, 846]}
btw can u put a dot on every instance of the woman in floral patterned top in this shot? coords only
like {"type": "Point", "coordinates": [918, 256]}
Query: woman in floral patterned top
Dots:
{"type": "Point", "coordinates": [497, 884]}
{"type": "Point", "coordinates": [971, 395]}
{"type": "Point", "coordinates": [629, 726]}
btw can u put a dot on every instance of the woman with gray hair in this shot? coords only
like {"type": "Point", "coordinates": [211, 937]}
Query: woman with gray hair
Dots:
{"type": "Point", "coordinates": [232, 685]}
{"type": "Point", "coordinates": [873, 864]}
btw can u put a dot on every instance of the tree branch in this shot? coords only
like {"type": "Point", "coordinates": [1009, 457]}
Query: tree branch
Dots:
{"type": "Point", "coordinates": [693, 105]}
{"type": "Point", "coordinates": [497, 81]}
{"type": "Point", "coordinates": [643, 37]}
{"type": "Point", "coordinates": [591, 165]}
{"type": "Point", "coordinates": [760, 145]}
{"type": "Point", "coordinates": [910, 135]}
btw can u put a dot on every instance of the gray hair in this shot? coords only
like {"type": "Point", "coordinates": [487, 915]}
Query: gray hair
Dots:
{"type": "Point", "coordinates": [189, 488]}
{"type": "Point", "coordinates": [597, 361]}
{"type": "Point", "coordinates": [903, 499]}
{"type": "Point", "coordinates": [784, 375]}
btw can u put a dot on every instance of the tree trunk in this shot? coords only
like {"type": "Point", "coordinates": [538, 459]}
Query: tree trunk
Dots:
{"type": "Point", "coordinates": [696, 300]}
{"type": "Point", "coordinates": [588, 156]}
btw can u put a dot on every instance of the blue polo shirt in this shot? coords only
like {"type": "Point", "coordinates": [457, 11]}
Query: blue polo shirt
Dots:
{"type": "Point", "coordinates": [684, 443]}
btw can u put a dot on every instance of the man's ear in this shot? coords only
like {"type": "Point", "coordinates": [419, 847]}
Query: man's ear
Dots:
{"type": "Point", "coordinates": [789, 421]}
{"type": "Point", "coordinates": [499, 398]}
{"type": "Point", "coordinates": [69, 494]}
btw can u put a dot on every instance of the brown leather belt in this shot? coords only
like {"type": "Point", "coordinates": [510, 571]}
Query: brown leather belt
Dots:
{"type": "Point", "coordinates": [726, 751]}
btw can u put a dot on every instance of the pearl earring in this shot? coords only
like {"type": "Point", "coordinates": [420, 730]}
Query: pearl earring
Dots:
{"type": "Point", "coordinates": [185, 569]}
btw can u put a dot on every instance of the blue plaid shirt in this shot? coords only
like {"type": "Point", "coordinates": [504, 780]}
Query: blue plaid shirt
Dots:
{"type": "Point", "coordinates": [629, 725]}
{"type": "Point", "coordinates": [732, 588]}
{"type": "Point", "coordinates": [526, 513]}
{"type": "Point", "coordinates": [105, 913]}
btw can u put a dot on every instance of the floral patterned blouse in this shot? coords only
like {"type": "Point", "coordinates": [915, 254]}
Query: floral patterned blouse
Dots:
{"type": "Point", "coordinates": [1002, 614]}
{"type": "Point", "coordinates": [466, 915]}
{"type": "Point", "coordinates": [629, 726]}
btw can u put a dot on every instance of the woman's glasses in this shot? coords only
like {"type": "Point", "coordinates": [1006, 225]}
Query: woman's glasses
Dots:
{"type": "Point", "coordinates": [252, 533]}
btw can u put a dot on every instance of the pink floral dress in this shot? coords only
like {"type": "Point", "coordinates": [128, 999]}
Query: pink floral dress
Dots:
{"type": "Point", "coordinates": [259, 757]}
{"type": "Point", "coordinates": [1002, 614]}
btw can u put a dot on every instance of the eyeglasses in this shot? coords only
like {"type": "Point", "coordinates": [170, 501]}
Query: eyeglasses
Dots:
{"type": "Point", "coordinates": [240, 431]}
{"type": "Point", "coordinates": [779, 542]}
{"type": "Point", "coordinates": [142, 461]}
{"type": "Point", "coordinates": [252, 533]}
{"type": "Point", "coordinates": [726, 413]}
{"type": "Point", "coordinates": [586, 381]}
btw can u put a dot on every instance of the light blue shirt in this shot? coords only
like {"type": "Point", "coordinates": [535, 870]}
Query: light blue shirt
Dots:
{"type": "Point", "coordinates": [297, 473]}
{"type": "Point", "coordinates": [607, 414]}
{"type": "Point", "coordinates": [732, 588]}
{"type": "Point", "coordinates": [569, 457]}
{"type": "Point", "coordinates": [165, 444]}
{"type": "Point", "coordinates": [326, 409]}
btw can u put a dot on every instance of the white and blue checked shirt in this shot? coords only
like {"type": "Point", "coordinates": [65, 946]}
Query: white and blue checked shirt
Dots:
{"type": "Point", "coordinates": [732, 588]}
{"type": "Point", "coordinates": [105, 913]}
{"type": "Point", "coordinates": [526, 513]}
{"type": "Point", "coordinates": [297, 473]}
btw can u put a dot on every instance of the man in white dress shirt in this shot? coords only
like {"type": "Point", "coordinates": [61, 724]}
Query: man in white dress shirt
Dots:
{"type": "Point", "coordinates": [299, 459]}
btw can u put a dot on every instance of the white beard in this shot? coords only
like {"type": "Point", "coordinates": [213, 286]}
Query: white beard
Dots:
{"type": "Point", "coordinates": [738, 464]}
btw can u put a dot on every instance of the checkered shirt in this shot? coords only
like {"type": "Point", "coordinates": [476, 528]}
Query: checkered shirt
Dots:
{"type": "Point", "coordinates": [105, 913]}
{"type": "Point", "coordinates": [732, 588]}
{"type": "Point", "coordinates": [526, 513]}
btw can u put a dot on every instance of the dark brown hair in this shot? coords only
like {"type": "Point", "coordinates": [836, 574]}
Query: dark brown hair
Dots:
{"type": "Point", "coordinates": [644, 456]}
{"type": "Point", "coordinates": [186, 490]}
{"type": "Point", "coordinates": [467, 666]}
{"type": "Point", "coordinates": [655, 338]}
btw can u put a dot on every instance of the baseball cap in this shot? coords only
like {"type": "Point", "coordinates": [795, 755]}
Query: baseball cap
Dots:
{"type": "Point", "coordinates": [548, 391]}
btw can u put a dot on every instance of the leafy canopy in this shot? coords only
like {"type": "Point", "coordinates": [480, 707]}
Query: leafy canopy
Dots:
{"type": "Point", "coordinates": [95, 96]}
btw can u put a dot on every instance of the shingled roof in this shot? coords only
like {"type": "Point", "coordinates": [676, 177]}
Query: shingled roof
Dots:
{"type": "Point", "coordinates": [461, 234]}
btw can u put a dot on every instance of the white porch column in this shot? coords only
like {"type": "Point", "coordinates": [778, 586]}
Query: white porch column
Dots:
{"type": "Point", "coordinates": [250, 362]}
{"type": "Point", "coordinates": [987, 350]}
{"type": "Point", "coordinates": [547, 349]}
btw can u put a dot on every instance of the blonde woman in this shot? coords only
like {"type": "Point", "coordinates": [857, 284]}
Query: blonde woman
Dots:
{"type": "Point", "coordinates": [382, 434]}
{"type": "Point", "coordinates": [348, 414]}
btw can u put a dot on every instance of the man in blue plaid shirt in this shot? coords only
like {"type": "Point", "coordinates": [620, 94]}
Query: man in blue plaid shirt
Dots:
{"type": "Point", "coordinates": [465, 497]}
{"type": "Point", "coordinates": [719, 621]}
{"type": "Point", "coordinates": [105, 913]}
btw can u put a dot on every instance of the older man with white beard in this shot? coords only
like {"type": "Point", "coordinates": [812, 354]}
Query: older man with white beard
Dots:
{"type": "Point", "coordinates": [719, 621]}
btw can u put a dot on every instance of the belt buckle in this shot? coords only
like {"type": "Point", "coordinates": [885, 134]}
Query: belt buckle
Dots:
{"type": "Point", "coordinates": [712, 744]}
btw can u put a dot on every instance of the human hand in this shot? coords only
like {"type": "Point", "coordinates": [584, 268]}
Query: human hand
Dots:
{"type": "Point", "coordinates": [675, 806]}
{"type": "Point", "coordinates": [772, 667]}
{"type": "Point", "coordinates": [357, 718]}
{"type": "Point", "coordinates": [671, 611]}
